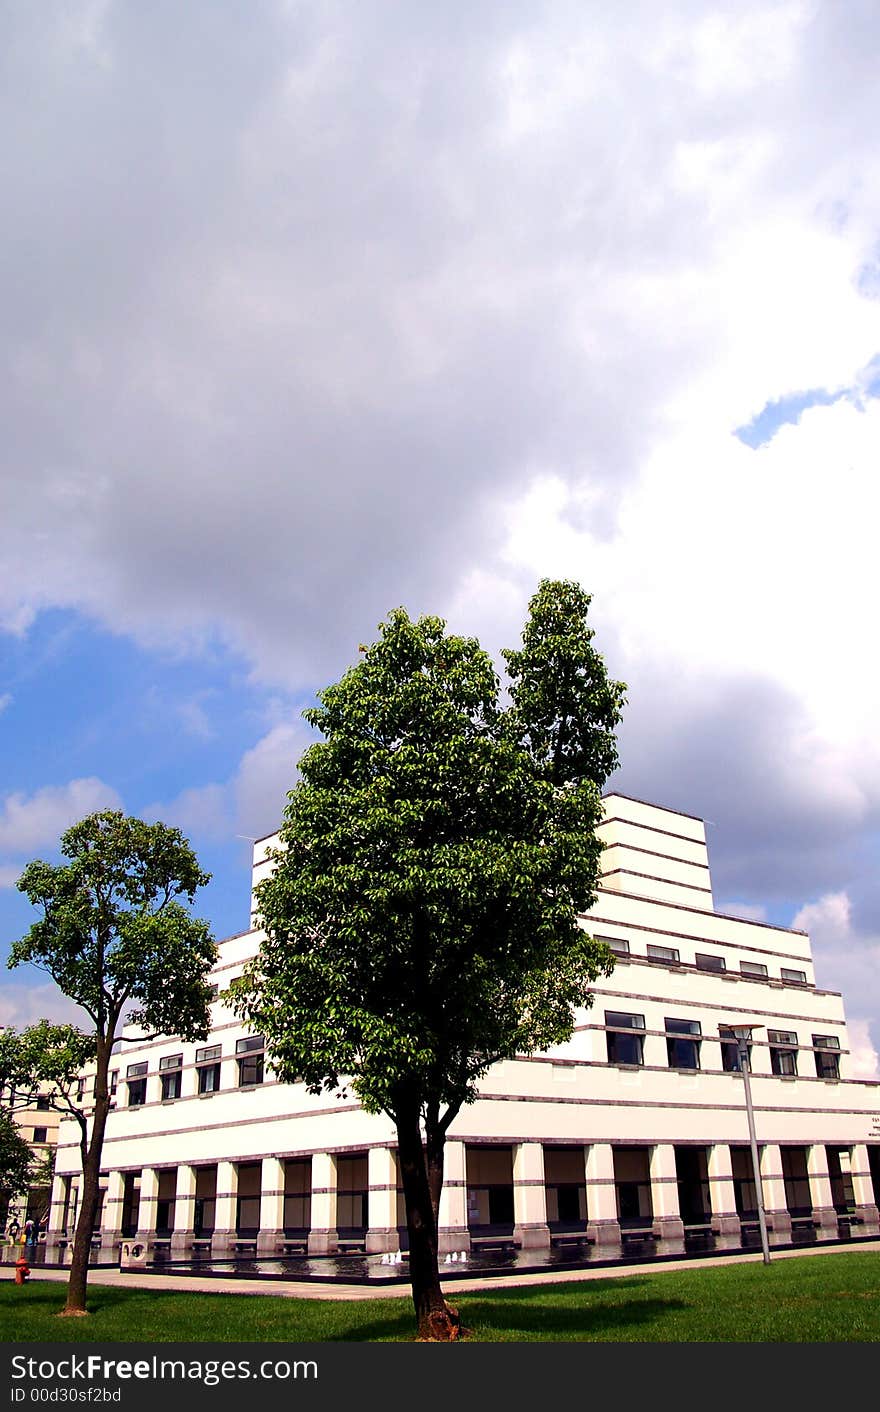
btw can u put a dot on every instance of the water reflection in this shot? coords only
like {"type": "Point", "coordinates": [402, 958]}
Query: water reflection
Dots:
{"type": "Point", "coordinates": [494, 1259]}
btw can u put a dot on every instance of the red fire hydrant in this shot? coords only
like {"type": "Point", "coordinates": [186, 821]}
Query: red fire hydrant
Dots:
{"type": "Point", "coordinates": [22, 1270]}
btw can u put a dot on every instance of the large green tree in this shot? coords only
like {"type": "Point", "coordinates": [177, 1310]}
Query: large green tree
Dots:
{"type": "Point", "coordinates": [117, 939]}
{"type": "Point", "coordinates": [421, 920]}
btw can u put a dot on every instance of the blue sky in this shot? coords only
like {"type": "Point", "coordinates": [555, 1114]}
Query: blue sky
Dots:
{"type": "Point", "coordinates": [311, 312]}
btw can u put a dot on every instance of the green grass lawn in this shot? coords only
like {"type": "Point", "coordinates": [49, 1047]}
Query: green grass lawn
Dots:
{"type": "Point", "coordinates": [828, 1298]}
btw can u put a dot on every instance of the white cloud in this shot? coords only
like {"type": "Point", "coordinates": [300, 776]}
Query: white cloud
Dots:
{"type": "Point", "coordinates": [250, 803]}
{"type": "Point", "coordinates": [38, 820]}
{"type": "Point", "coordinates": [202, 810]}
{"type": "Point", "coordinates": [266, 774]}
{"type": "Point", "coordinates": [751, 911]}
{"type": "Point", "coordinates": [5, 700]}
{"type": "Point", "coordinates": [23, 1003]}
{"type": "Point", "coordinates": [849, 962]}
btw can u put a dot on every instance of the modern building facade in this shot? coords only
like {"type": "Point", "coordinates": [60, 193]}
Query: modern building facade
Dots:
{"type": "Point", "coordinates": [633, 1130]}
{"type": "Point", "coordinates": [37, 1122]}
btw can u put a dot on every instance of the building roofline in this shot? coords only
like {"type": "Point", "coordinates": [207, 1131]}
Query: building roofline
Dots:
{"type": "Point", "coordinates": [698, 911]}
{"type": "Point", "coordinates": [649, 804]}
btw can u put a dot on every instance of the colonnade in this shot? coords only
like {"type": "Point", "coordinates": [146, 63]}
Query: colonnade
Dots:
{"type": "Point", "coordinates": [170, 1211]}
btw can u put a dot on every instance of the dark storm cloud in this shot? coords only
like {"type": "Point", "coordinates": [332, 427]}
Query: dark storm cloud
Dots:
{"type": "Point", "coordinates": [785, 824]}
{"type": "Point", "coordinates": [294, 300]}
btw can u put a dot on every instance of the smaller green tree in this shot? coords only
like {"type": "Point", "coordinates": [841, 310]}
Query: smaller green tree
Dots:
{"type": "Point", "coordinates": [117, 940]}
{"type": "Point", "coordinates": [44, 1060]}
{"type": "Point", "coordinates": [16, 1160]}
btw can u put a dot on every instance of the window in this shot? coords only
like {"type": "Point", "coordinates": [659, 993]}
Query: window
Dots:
{"type": "Point", "coordinates": [683, 1043]}
{"type": "Point", "coordinates": [169, 1071]}
{"type": "Point", "coordinates": [753, 968]}
{"type": "Point", "coordinates": [215, 991]}
{"type": "Point", "coordinates": [709, 963]}
{"type": "Point", "coordinates": [626, 1048]}
{"type": "Point", "coordinates": [783, 1052]}
{"type": "Point", "coordinates": [663, 953]}
{"type": "Point", "coordinates": [730, 1060]}
{"type": "Point", "coordinates": [793, 977]}
{"type": "Point", "coordinates": [114, 1081]}
{"type": "Point", "coordinates": [136, 1074]}
{"type": "Point", "coordinates": [208, 1068]}
{"type": "Point", "coordinates": [43, 1103]}
{"type": "Point", "coordinates": [618, 944]}
{"type": "Point", "coordinates": [40, 1134]}
{"type": "Point", "coordinates": [251, 1060]}
{"type": "Point", "coordinates": [80, 1090]}
{"type": "Point", "coordinates": [827, 1047]}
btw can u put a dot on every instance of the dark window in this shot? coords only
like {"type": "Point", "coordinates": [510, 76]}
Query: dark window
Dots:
{"type": "Point", "coordinates": [783, 1052]}
{"type": "Point", "coordinates": [171, 1085]}
{"type": "Point", "coordinates": [840, 1171]}
{"type": "Point", "coordinates": [136, 1074]}
{"type": "Point", "coordinates": [208, 1068]}
{"type": "Point", "coordinates": [40, 1134]}
{"type": "Point", "coordinates": [793, 977]}
{"type": "Point", "coordinates": [827, 1047]}
{"type": "Point", "coordinates": [43, 1103]}
{"type": "Point", "coordinates": [80, 1090]}
{"type": "Point", "coordinates": [753, 968]}
{"type": "Point", "coordinates": [169, 1069]}
{"type": "Point", "coordinates": [709, 963]}
{"type": "Point", "coordinates": [251, 1060]}
{"type": "Point", "coordinates": [624, 1048]}
{"type": "Point", "coordinates": [730, 1060]}
{"type": "Point", "coordinates": [683, 1043]}
{"type": "Point", "coordinates": [663, 953]}
{"type": "Point", "coordinates": [214, 990]}
{"type": "Point", "coordinates": [209, 1077]}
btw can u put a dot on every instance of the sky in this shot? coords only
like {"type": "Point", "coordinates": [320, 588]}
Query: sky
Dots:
{"type": "Point", "coordinates": [313, 310]}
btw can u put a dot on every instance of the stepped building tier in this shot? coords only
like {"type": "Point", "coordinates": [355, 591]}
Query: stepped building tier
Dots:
{"type": "Point", "coordinates": [635, 1130]}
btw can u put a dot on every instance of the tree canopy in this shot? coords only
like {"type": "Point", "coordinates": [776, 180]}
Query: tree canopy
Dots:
{"type": "Point", "coordinates": [422, 919]}
{"type": "Point", "coordinates": [116, 937]}
{"type": "Point", "coordinates": [16, 1161]}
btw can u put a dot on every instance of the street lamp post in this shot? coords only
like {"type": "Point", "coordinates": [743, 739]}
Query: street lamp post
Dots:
{"type": "Point", "coordinates": [742, 1034]}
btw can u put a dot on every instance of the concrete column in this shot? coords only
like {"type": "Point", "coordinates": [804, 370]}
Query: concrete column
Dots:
{"type": "Point", "coordinates": [111, 1220]}
{"type": "Point", "coordinates": [146, 1231]}
{"type": "Point", "coordinates": [603, 1227]}
{"type": "Point", "coordinates": [382, 1200]}
{"type": "Point", "coordinates": [271, 1233]}
{"type": "Point", "coordinates": [664, 1193]}
{"type": "Point", "coordinates": [323, 1237]}
{"type": "Point", "coordinates": [863, 1187]}
{"type": "Point", "coordinates": [721, 1191]}
{"type": "Point", "coordinates": [774, 1189]}
{"type": "Point", "coordinates": [225, 1234]}
{"type": "Point", "coordinates": [820, 1186]}
{"type": "Point", "coordinates": [453, 1234]}
{"type": "Point", "coordinates": [530, 1230]}
{"type": "Point", "coordinates": [55, 1230]}
{"type": "Point", "coordinates": [184, 1210]}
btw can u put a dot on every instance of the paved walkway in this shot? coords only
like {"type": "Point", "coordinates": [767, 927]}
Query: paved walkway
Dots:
{"type": "Point", "coordinates": [302, 1289]}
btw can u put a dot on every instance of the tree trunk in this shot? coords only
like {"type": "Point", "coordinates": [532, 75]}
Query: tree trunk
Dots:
{"type": "Point", "coordinates": [91, 1171]}
{"type": "Point", "coordinates": [438, 1322]}
{"type": "Point", "coordinates": [435, 1143]}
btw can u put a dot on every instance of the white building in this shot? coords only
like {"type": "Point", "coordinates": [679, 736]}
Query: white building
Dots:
{"type": "Point", "coordinates": [637, 1126]}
